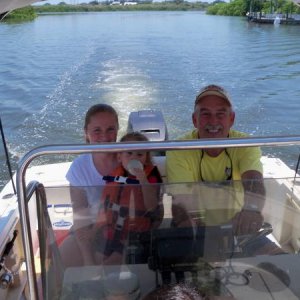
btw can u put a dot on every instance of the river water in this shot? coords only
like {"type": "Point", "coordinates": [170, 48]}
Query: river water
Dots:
{"type": "Point", "coordinates": [54, 68]}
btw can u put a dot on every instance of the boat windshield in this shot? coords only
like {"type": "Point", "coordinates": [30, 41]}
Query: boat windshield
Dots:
{"type": "Point", "coordinates": [170, 241]}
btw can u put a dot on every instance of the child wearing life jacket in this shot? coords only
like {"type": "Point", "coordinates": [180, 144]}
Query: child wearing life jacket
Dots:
{"type": "Point", "coordinates": [129, 202]}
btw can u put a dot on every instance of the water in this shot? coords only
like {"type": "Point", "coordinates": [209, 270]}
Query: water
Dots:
{"type": "Point", "coordinates": [54, 68]}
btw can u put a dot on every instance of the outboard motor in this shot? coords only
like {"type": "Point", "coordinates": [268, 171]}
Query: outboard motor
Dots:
{"type": "Point", "coordinates": [151, 123]}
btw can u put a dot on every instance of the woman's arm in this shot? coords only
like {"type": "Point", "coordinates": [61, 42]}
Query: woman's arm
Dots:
{"type": "Point", "coordinates": [82, 224]}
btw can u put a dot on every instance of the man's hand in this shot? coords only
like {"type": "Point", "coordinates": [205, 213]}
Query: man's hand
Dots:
{"type": "Point", "coordinates": [247, 222]}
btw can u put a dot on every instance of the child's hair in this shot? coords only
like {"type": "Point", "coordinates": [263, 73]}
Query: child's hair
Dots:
{"type": "Point", "coordinates": [137, 137]}
{"type": "Point", "coordinates": [134, 137]}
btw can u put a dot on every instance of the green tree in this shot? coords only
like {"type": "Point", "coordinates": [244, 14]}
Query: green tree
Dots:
{"type": "Point", "coordinates": [241, 7]}
{"type": "Point", "coordinates": [22, 14]}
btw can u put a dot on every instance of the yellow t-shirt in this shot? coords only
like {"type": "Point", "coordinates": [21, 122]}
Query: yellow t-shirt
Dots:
{"type": "Point", "coordinates": [184, 165]}
{"type": "Point", "coordinates": [199, 171]}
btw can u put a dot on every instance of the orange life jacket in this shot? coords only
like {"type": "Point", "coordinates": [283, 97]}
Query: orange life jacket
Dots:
{"type": "Point", "coordinates": [122, 206]}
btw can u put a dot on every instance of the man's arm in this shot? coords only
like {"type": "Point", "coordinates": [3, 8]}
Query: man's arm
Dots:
{"type": "Point", "coordinates": [254, 190]}
{"type": "Point", "coordinates": [249, 219]}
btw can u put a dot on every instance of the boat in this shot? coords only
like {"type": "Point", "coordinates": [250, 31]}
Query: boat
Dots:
{"type": "Point", "coordinates": [274, 17]}
{"type": "Point", "coordinates": [207, 262]}
{"type": "Point", "coordinates": [44, 203]}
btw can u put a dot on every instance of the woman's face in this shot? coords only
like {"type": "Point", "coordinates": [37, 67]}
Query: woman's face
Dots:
{"type": "Point", "coordinates": [102, 128]}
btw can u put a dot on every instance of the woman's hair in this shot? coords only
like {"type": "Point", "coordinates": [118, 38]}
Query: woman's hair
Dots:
{"type": "Point", "coordinates": [137, 137]}
{"type": "Point", "coordinates": [99, 108]}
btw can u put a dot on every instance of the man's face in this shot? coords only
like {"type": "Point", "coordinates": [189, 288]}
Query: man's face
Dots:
{"type": "Point", "coordinates": [213, 117]}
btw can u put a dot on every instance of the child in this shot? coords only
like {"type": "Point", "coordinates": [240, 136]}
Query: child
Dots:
{"type": "Point", "coordinates": [126, 207]}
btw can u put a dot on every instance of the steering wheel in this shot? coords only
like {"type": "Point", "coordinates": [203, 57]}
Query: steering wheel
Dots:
{"type": "Point", "coordinates": [245, 240]}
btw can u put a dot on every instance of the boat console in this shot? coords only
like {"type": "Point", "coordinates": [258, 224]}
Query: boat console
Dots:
{"type": "Point", "coordinates": [185, 248]}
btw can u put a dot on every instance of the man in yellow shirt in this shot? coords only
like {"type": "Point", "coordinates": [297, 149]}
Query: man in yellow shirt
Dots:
{"type": "Point", "coordinates": [213, 117]}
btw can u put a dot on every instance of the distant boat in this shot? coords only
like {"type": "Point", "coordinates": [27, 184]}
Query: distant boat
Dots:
{"type": "Point", "coordinates": [276, 19]}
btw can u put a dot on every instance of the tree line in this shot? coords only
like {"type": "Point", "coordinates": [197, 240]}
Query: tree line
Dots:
{"type": "Point", "coordinates": [218, 7]}
{"type": "Point", "coordinates": [242, 7]}
{"type": "Point", "coordinates": [95, 6]}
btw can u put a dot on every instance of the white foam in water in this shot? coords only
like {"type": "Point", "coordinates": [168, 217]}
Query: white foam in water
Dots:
{"type": "Point", "coordinates": [126, 87]}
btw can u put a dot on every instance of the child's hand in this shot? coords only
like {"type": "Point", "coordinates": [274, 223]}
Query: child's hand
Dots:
{"type": "Point", "coordinates": [140, 175]}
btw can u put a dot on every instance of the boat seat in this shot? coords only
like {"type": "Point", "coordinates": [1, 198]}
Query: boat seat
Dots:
{"type": "Point", "coordinates": [160, 162]}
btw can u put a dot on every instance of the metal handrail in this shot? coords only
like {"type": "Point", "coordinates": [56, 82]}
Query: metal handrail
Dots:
{"type": "Point", "coordinates": [30, 190]}
{"type": "Point", "coordinates": [41, 206]}
{"type": "Point", "coordinates": [119, 147]}
{"type": "Point", "coordinates": [46, 233]}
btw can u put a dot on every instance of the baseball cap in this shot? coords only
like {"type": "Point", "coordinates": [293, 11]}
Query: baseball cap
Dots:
{"type": "Point", "coordinates": [215, 90]}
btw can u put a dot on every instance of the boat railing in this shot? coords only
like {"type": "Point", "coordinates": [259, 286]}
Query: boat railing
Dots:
{"type": "Point", "coordinates": [41, 238]}
{"type": "Point", "coordinates": [49, 254]}
{"type": "Point", "coordinates": [114, 148]}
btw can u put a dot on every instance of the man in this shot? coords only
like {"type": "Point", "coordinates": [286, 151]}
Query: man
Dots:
{"type": "Point", "coordinates": [213, 117]}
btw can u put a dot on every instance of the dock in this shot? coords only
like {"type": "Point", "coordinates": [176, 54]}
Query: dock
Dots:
{"type": "Point", "coordinates": [276, 19]}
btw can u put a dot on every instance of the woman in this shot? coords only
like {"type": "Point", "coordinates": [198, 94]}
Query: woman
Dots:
{"type": "Point", "coordinates": [85, 177]}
